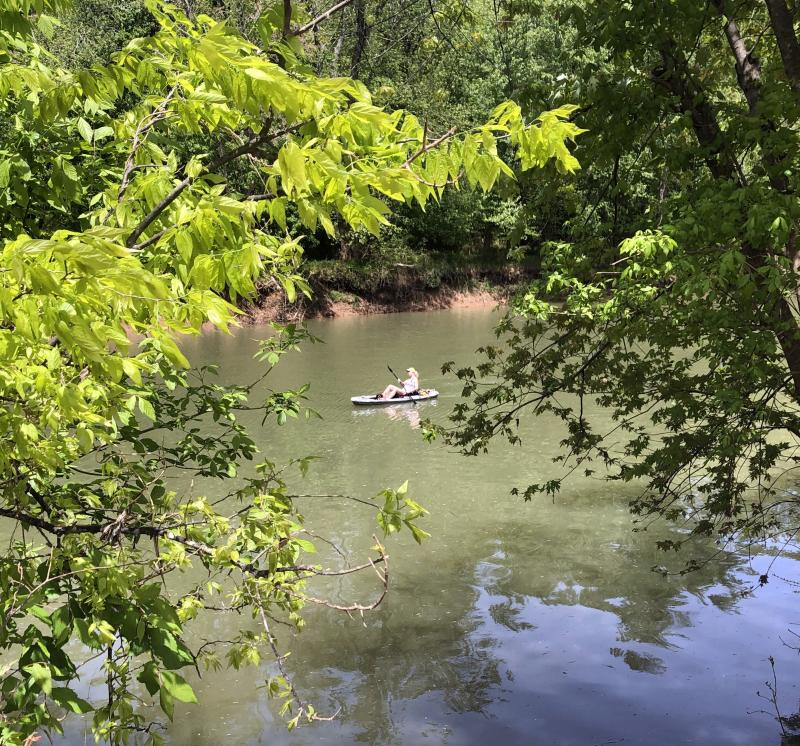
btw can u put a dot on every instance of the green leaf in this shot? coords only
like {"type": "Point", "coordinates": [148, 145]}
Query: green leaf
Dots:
{"type": "Point", "coordinates": [418, 534]}
{"type": "Point", "coordinates": [146, 408]}
{"type": "Point", "coordinates": [40, 676]}
{"type": "Point", "coordinates": [293, 168]}
{"type": "Point", "coordinates": [85, 129]}
{"type": "Point", "coordinates": [177, 687]}
{"type": "Point", "coordinates": [172, 651]}
{"type": "Point", "coordinates": [149, 677]}
{"type": "Point", "coordinates": [257, 73]}
{"type": "Point", "coordinates": [167, 702]}
{"type": "Point", "coordinates": [102, 132]}
{"type": "Point", "coordinates": [305, 545]}
{"type": "Point", "coordinates": [70, 701]}
{"type": "Point", "coordinates": [61, 623]}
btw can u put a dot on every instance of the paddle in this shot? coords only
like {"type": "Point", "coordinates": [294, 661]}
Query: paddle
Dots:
{"type": "Point", "coordinates": [393, 373]}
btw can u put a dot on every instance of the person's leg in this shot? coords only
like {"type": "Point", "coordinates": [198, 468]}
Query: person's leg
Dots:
{"type": "Point", "coordinates": [390, 392]}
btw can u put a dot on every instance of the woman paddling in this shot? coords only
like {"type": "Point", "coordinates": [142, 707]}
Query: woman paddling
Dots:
{"type": "Point", "coordinates": [410, 386]}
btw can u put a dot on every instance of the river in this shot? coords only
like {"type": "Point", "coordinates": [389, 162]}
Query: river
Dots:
{"type": "Point", "coordinates": [518, 623]}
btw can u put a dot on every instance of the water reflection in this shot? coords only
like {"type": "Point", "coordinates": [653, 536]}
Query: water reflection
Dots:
{"type": "Point", "coordinates": [597, 562]}
{"type": "Point", "coordinates": [551, 623]}
{"type": "Point", "coordinates": [413, 413]}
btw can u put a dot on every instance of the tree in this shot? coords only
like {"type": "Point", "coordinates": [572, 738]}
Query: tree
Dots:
{"type": "Point", "coordinates": [688, 331]}
{"type": "Point", "coordinates": [140, 200]}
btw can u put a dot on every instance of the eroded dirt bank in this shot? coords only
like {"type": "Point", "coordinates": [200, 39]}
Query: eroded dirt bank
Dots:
{"type": "Point", "coordinates": [396, 291]}
{"type": "Point", "coordinates": [274, 306]}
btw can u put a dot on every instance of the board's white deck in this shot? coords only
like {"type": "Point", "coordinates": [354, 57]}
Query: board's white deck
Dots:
{"type": "Point", "coordinates": [431, 394]}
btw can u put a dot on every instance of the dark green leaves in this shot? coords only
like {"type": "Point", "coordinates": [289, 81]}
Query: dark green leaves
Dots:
{"type": "Point", "coordinates": [172, 652]}
{"type": "Point", "coordinates": [70, 701]}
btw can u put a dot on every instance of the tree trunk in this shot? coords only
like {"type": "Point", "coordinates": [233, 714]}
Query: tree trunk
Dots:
{"type": "Point", "coordinates": [676, 78]}
{"type": "Point", "coordinates": [287, 18]}
{"type": "Point", "coordinates": [748, 70]}
{"type": "Point", "coordinates": [748, 75]}
{"type": "Point", "coordinates": [783, 28]}
{"type": "Point", "coordinates": [362, 36]}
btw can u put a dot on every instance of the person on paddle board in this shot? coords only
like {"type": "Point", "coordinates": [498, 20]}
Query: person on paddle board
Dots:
{"type": "Point", "coordinates": [410, 386]}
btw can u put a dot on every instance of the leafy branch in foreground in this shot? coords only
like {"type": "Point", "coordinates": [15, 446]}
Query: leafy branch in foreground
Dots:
{"type": "Point", "coordinates": [140, 200]}
{"type": "Point", "coordinates": [101, 569]}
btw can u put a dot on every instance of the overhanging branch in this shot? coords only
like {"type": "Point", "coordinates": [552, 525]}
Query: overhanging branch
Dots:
{"type": "Point", "coordinates": [320, 18]}
{"type": "Point", "coordinates": [251, 146]}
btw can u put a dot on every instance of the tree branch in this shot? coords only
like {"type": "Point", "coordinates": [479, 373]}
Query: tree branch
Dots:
{"type": "Point", "coordinates": [748, 71]}
{"type": "Point", "coordinates": [148, 242]}
{"type": "Point", "coordinates": [783, 28]}
{"type": "Point", "coordinates": [674, 76]}
{"type": "Point", "coordinates": [139, 136]}
{"type": "Point", "coordinates": [251, 146]}
{"type": "Point", "coordinates": [113, 530]}
{"type": "Point", "coordinates": [320, 18]}
{"type": "Point", "coordinates": [287, 18]}
{"type": "Point", "coordinates": [430, 146]}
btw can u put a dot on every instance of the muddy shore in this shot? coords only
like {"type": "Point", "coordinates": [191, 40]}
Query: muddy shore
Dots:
{"type": "Point", "coordinates": [341, 291]}
{"type": "Point", "coordinates": [273, 306]}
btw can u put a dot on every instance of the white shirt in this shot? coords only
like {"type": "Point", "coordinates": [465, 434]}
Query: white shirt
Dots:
{"type": "Point", "coordinates": [411, 384]}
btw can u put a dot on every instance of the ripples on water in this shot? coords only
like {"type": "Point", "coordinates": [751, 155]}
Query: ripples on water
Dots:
{"type": "Point", "coordinates": [517, 623]}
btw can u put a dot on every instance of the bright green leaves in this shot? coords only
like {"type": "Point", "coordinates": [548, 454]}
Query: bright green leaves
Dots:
{"type": "Point", "coordinates": [399, 510]}
{"type": "Point", "coordinates": [291, 164]}
{"type": "Point", "coordinates": [5, 173]}
{"type": "Point", "coordinates": [175, 687]}
{"type": "Point", "coordinates": [40, 677]}
{"type": "Point", "coordinates": [648, 245]}
{"type": "Point", "coordinates": [85, 129]}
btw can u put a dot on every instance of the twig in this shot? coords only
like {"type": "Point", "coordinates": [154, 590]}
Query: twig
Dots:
{"type": "Point", "coordinates": [250, 146]}
{"type": "Point", "coordinates": [320, 18]}
{"type": "Point", "coordinates": [430, 146]}
{"type": "Point", "coordinates": [382, 574]}
{"type": "Point", "coordinates": [139, 136]}
{"type": "Point", "coordinates": [149, 241]}
{"type": "Point", "coordinates": [772, 686]}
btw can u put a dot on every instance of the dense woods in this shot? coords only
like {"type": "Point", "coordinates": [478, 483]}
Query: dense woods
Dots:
{"type": "Point", "coordinates": [161, 164]}
{"type": "Point", "coordinates": [688, 328]}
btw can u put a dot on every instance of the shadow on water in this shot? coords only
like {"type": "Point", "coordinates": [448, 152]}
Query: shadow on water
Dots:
{"type": "Point", "coordinates": [528, 629]}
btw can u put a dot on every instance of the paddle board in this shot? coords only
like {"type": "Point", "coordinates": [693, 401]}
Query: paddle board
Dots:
{"type": "Point", "coordinates": [424, 395]}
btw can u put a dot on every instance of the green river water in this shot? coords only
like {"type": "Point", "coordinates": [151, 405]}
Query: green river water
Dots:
{"type": "Point", "coordinates": [517, 623]}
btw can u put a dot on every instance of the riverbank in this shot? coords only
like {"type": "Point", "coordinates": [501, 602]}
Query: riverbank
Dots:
{"type": "Point", "coordinates": [353, 289]}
